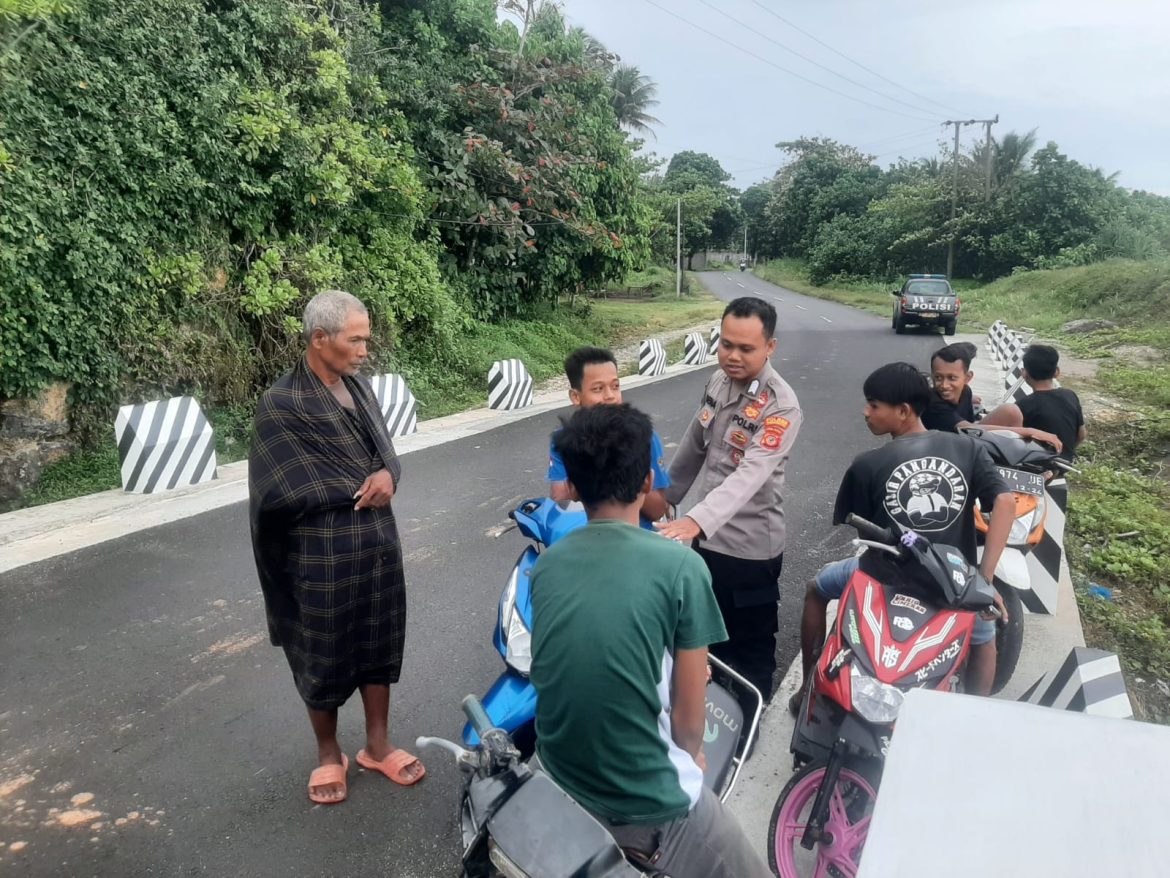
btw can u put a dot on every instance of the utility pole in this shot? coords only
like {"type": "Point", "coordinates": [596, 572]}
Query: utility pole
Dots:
{"type": "Point", "coordinates": [678, 250]}
{"type": "Point", "coordinates": [955, 181]}
{"type": "Point", "coordinates": [745, 255]}
{"type": "Point", "coordinates": [987, 158]}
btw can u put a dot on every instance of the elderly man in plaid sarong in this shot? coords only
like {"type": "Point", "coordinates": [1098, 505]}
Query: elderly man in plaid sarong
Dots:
{"type": "Point", "coordinates": [322, 472]}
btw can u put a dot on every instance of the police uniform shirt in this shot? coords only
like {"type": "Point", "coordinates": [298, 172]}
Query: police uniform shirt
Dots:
{"type": "Point", "coordinates": [734, 451]}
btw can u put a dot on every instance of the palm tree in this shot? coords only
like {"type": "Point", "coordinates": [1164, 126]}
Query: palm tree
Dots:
{"type": "Point", "coordinates": [633, 96]}
{"type": "Point", "coordinates": [595, 51]}
{"type": "Point", "coordinates": [1010, 155]}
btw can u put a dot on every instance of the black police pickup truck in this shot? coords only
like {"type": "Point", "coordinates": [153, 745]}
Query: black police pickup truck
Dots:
{"type": "Point", "coordinates": [926, 300]}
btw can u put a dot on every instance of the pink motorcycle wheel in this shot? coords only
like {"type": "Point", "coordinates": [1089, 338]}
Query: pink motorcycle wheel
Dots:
{"type": "Point", "coordinates": [850, 808]}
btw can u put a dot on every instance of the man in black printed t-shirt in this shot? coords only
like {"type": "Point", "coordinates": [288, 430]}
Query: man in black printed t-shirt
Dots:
{"type": "Point", "coordinates": [1055, 410]}
{"type": "Point", "coordinates": [924, 481]}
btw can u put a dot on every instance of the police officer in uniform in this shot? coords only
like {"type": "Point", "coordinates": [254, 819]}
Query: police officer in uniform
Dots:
{"type": "Point", "coordinates": [734, 453]}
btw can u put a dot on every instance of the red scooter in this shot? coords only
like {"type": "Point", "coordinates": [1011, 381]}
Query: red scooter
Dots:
{"type": "Point", "coordinates": [904, 621]}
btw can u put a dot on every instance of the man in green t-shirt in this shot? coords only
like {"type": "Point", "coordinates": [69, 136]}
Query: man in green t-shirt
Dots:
{"type": "Point", "coordinates": [621, 621]}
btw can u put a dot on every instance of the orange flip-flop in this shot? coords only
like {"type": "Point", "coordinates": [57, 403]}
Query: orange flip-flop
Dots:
{"type": "Point", "coordinates": [392, 766]}
{"type": "Point", "coordinates": [329, 774]}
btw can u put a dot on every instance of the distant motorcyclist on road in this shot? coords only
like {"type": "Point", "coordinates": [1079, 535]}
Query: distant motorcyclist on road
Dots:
{"type": "Point", "coordinates": [621, 622]}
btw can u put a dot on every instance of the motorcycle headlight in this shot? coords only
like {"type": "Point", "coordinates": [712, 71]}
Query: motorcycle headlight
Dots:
{"type": "Point", "coordinates": [874, 700]}
{"type": "Point", "coordinates": [517, 637]}
{"type": "Point", "coordinates": [1024, 524]}
{"type": "Point", "coordinates": [1021, 527]}
{"type": "Point", "coordinates": [504, 863]}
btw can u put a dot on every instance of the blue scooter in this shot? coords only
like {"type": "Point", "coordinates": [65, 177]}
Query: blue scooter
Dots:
{"type": "Point", "coordinates": [733, 704]}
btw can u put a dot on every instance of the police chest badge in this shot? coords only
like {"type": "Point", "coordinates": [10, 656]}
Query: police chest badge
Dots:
{"type": "Point", "coordinates": [739, 438]}
{"type": "Point", "coordinates": [736, 457]}
{"type": "Point", "coordinates": [751, 411]}
{"type": "Point", "coordinates": [705, 415]}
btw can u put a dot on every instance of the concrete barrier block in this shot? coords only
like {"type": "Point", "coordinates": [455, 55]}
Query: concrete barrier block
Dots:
{"type": "Point", "coordinates": [694, 349]}
{"type": "Point", "coordinates": [651, 357]}
{"type": "Point", "coordinates": [1088, 681]}
{"type": "Point", "coordinates": [509, 385]}
{"type": "Point", "coordinates": [163, 445]}
{"type": "Point", "coordinates": [398, 405]}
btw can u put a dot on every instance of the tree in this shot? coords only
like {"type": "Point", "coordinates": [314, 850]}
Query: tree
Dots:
{"type": "Point", "coordinates": [633, 96]}
{"type": "Point", "coordinates": [710, 211]}
{"type": "Point", "coordinates": [1059, 205]}
{"type": "Point", "coordinates": [1011, 156]}
{"type": "Point", "coordinates": [752, 204]}
{"type": "Point", "coordinates": [823, 178]}
{"type": "Point", "coordinates": [689, 169]}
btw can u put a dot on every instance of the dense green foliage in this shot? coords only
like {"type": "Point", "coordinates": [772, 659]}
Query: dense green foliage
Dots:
{"type": "Point", "coordinates": [832, 206]}
{"type": "Point", "coordinates": [179, 177]}
{"type": "Point", "coordinates": [694, 190]}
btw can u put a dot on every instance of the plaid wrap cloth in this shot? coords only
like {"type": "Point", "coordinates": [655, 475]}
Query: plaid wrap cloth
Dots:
{"type": "Point", "coordinates": [332, 577]}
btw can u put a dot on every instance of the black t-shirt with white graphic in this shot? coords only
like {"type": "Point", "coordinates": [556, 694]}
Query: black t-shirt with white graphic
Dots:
{"type": "Point", "coordinates": [925, 482]}
{"type": "Point", "coordinates": [1055, 411]}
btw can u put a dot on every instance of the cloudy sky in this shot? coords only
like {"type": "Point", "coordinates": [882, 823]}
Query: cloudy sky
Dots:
{"type": "Point", "coordinates": [1085, 74]}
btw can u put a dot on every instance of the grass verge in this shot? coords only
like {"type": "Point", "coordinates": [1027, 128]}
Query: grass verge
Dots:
{"type": "Point", "coordinates": [645, 305]}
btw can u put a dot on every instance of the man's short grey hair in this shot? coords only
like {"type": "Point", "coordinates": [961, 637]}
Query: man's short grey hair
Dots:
{"type": "Point", "coordinates": [328, 311]}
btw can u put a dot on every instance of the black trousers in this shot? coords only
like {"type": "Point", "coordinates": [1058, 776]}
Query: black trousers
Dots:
{"type": "Point", "coordinates": [747, 592]}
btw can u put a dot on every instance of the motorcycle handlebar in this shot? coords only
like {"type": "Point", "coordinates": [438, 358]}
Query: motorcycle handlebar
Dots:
{"type": "Point", "coordinates": [476, 715]}
{"type": "Point", "coordinates": [424, 741]}
{"type": "Point", "coordinates": [870, 531]}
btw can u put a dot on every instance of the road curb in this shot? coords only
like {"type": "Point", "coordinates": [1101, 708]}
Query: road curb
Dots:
{"type": "Point", "coordinates": [28, 536]}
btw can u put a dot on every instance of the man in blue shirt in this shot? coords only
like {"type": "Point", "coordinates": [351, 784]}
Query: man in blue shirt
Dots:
{"type": "Point", "coordinates": [593, 380]}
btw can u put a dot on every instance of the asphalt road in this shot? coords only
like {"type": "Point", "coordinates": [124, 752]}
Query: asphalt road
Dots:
{"type": "Point", "coordinates": [136, 679]}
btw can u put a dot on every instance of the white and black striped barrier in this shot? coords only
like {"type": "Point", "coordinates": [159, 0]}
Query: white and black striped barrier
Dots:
{"type": "Point", "coordinates": [1044, 560]}
{"type": "Point", "coordinates": [398, 405]}
{"type": "Point", "coordinates": [163, 445]}
{"type": "Point", "coordinates": [694, 349]}
{"type": "Point", "coordinates": [713, 347]}
{"type": "Point", "coordinates": [651, 357]}
{"type": "Point", "coordinates": [1013, 375]}
{"type": "Point", "coordinates": [1005, 345]}
{"type": "Point", "coordinates": [509, 385]}
{"type": "Point", "coordinates": [1089, 681]}
{"type": "Point", "coordinates": [995, 335]}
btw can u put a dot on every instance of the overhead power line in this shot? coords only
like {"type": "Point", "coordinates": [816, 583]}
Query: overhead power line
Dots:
{"type": "Point", "coordinates": [783, 69]}
{"type": "Point", "coordinates": [894, 137]}
{"type": "Point", "coordinates": [869, 70]}
{"type": "Point", "coordinates": [814, 62]}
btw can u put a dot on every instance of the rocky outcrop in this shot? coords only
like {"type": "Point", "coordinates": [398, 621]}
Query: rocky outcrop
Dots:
{"type": "Point", "coordinates": [33, 434]}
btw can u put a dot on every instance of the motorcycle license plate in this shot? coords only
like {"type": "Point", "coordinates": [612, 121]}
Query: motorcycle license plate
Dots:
{"type": "Point", "coordinates": [1021, 482]}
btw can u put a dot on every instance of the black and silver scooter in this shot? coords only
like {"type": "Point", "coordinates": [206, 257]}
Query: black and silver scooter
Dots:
{"type": "Point", "coordinates": [515, 821]}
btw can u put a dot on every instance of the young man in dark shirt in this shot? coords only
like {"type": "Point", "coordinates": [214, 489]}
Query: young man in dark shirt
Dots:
{"type": "Point", "coordinates": [951, 405]}
{"type": "Point", "coordinates": [924, 481]}
{"type": "Point", "coordinates": [621, 623]}
{"type": "Point", "coordinates": [951, 400]}
{"type": "Point", "coordinates": [1052, 409]}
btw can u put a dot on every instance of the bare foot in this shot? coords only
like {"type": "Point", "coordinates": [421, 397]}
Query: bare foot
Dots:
{"type": "Point", "coordinates": [412, 771]}
{"type": "Point", "coordinates": [408, 774]}
{"type": "Point", "coordinates": [329, 792]}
